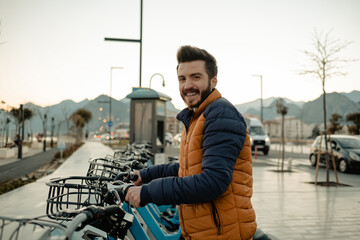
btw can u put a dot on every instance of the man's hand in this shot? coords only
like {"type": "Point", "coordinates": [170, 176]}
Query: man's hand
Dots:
{"type": "Point", "coordinates": [133, 196]}
{"type": "Point", "coordinates": [138, 181]}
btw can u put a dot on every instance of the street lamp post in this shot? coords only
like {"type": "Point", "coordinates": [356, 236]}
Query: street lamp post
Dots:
{"type": "Point", "coordinates": [52, 132]}
{"type": "Point", "coordinates": [44, 127]}
{"type": "Point", "coordinates": [163, 83]}
{"type": "Point", "coordinates": [261, 97]}
{"type": "Point", "coordinates": [21, 126]}
{"type": "Point", "coordinates": [134, 40]}
{"type": "Point", "coordinates": [110, 102]}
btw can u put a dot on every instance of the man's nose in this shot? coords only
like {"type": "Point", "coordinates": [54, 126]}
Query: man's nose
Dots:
{"type": "Point", "coordinates": [188, 84]}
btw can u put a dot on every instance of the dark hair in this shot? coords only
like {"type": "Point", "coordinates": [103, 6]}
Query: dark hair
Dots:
{"type": "Point", "coordinates": [188, 53]}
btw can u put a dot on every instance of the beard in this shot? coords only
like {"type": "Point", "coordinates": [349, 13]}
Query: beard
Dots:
{"type": "Point", "coordinates": [203, 95]}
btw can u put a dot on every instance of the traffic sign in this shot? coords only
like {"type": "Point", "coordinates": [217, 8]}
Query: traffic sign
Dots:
{"type": "Point", "coordinates": [110, 123]}
{"type": "Point", "coordinates": [61, 145]}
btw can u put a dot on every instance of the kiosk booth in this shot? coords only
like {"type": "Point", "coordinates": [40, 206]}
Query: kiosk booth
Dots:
{"type": "Point", "coordinates": [147, 119]}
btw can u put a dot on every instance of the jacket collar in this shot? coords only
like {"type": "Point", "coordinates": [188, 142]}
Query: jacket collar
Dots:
{"type": "Point", "coordinates": [186, 114]}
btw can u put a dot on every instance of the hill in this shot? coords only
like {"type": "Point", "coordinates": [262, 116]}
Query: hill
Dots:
{"type": "Point", "coordinates": [311, 112]}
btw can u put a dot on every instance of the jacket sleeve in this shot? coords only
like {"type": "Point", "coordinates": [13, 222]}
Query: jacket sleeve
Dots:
{"type": "Point", "coordinates": [224, 137]}
{"type": "Point", "coordinates": [159, 171]}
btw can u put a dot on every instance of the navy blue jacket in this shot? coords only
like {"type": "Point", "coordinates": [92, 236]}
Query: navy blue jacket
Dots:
{"type": "Point", "coordinates": [224, 136]}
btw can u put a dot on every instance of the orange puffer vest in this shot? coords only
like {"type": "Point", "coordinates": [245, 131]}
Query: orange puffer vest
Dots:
{"type": "Point", "coordinates": [230, 216]}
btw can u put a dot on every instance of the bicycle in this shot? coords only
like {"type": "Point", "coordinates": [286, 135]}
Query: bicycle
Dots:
{"type": "Point", "coordinates": [74, 192]}
{"type": "Point", "coordinates": [111, 219]}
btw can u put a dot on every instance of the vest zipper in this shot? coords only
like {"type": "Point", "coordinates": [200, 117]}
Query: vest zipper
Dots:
{"type": "Point", "coordinates": [186, 158]}
{"type": "Point", "coordinates": [216, 217]}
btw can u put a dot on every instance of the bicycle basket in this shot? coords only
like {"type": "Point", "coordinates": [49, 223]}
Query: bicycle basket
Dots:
{"type": "Point", "coordinates": [26, 228]}
{"type": "Point", "coordinates": [101, 167]}
{"type": "Point", "coordinates": [72, 193]}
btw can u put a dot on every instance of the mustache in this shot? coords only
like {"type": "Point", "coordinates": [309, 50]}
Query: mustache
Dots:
{"type": "Point", "coordinates": [190, 90]}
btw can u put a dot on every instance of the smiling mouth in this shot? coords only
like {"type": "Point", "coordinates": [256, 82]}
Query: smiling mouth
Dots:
{"type": "Point", "coordinates": [190, 94]}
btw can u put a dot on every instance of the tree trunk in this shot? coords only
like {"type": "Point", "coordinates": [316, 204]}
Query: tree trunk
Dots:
{"type": "Point", "coordinates": [325, 137]}
{"type": "Point", "coordinates": [282, 142]}
{"type": "Point", "coordinates": [78, 135]}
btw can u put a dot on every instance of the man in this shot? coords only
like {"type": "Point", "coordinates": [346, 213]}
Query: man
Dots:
{"type": "Point", "coordinates": [212, 183]}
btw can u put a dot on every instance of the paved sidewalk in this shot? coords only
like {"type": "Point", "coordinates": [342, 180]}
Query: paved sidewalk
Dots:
{"type": "Point", "coordinates": [30, 200]}
{"type": "Point", "coordinates": [286, 205]}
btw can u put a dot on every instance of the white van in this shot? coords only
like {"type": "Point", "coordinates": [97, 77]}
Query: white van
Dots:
{"type": "Point", "coordinates": [258, 137]}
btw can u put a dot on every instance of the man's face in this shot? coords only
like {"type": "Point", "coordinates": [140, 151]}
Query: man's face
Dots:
{"type": "Point", "coordinates": [194, 84]}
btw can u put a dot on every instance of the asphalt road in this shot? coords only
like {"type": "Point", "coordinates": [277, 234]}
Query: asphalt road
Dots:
{"type": "Point", "coordinates": [26, 165]}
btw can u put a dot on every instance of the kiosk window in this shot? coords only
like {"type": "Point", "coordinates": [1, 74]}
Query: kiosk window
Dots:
{"type": "Point", "coordinates": [160, 133]}
{"type": "Point", "coordinates": [142, 124]}
{"type": "Point", "coordinates": [160, 108]}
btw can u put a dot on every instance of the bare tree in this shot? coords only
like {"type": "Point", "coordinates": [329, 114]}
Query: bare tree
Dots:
{"type": "Point", "coordinates": [66, 113]}
{"type": "Point", "coordinates": [325, 63]}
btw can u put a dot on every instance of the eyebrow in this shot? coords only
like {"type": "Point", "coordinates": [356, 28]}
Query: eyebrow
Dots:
{"type": "Point", "coordinates": [197, 73]}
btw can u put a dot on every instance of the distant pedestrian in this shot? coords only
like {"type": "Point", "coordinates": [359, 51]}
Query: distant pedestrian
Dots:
{"type": "Point", "coordinates": [17, 140]}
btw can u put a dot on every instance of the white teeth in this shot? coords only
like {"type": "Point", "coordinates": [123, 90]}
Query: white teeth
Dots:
{"type": "Point", "coordinates": [191, 94]}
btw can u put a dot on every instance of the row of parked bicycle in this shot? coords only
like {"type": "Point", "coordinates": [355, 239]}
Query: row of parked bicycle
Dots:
{"type": "Point", "coordinates": [93, 206]}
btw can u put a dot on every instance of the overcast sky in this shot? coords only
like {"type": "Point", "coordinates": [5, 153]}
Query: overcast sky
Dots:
{"type": "Point", "coordinates": [54, 50]}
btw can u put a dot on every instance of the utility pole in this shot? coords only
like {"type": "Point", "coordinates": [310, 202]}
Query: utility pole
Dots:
{"type": "Point", "coordinates": [52, 132]}
{"type": "Point", "coordinates": [44, 128]}
{"type": "Point", "coordinates": [110, 123]}
{"type": "Point", "coordinates": [282, 109]}
{"type": "Point", "coordinates": [21, 126]}
{"type": "Point", "coordinates": [133, 40]}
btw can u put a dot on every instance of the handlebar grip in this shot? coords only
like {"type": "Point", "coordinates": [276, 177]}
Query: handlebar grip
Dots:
{"type": "Point", "coordinates": [111, 209]}
{"type": "Point", "coordinates": [137, 165]}
{"type": "Point", "coordinates": [121, 176]}
{"type": "Point", "coordinates": [133, 176]}
{"type": "Point", "coordinates": [126, 189]}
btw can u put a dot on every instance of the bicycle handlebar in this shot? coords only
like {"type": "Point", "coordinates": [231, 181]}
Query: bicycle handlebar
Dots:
{"type": "Point", "coordinates": [126, 177]}
{"type": "Point", "coordinates": [111, 219]}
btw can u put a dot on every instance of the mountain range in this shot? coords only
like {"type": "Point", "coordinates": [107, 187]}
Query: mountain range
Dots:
{"type": "Point", "coordinates": [310, 112]}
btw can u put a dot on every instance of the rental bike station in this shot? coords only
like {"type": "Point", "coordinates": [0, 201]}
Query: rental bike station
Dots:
{"type": "Point", "coordinates": [93, 207]}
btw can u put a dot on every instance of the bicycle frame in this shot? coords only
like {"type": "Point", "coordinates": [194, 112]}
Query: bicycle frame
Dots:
{"type": "Point", "coordinates": [137, 230]}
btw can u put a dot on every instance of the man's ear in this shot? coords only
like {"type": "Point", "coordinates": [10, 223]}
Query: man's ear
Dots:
{"type": "Point", "coordinates": [213, 82]}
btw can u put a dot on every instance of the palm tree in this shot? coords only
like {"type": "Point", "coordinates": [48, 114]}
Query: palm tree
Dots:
{"type": "Point", "coordinates": [79, 119]}
{"type": "Point", "coordinates": [16, 113]}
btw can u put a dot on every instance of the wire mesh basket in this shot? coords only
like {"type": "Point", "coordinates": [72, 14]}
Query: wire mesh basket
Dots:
{"type": "Point", "coordinates": [72, 193]}
{"type": "Point", "coordinates": [102, 167]}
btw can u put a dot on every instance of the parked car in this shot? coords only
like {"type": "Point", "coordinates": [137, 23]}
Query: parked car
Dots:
{"type": "Point", "coordinates": [122, 133]}
{"type": "Point", "coordinates": [346, 151]}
